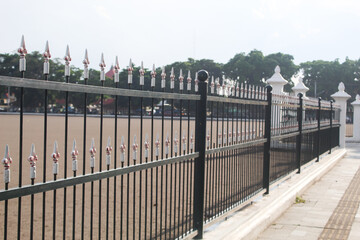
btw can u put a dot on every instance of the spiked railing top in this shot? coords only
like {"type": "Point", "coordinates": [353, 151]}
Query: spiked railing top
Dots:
{"type": "Point", "coordinates": [157, 142]}
{"type": "Point", "coordinates": [56, 154]}
{"type": "Point", "coordinates": [67, 57]}
{"type": "Point", "coordinates": [86, 61]}
{"type": "Point", "coordinates": [32, 157]}
{"type": "Point", "coordinates": [117, 66]}
{"type": "Point", "coordinates": [92, 148]}
{"type": "Point", "coordinates": [108, 146]}
{"type": "Point", "coordinates": [181, 77]}
{"type": "Point", "coordinates": [163, 74]}
{"type": "Point", "coordinates": [122, 145]}
{"type": "Point", "coordinates": [74, 151]}
{"type": "Point", "coordinates": [135, 145]}
{"type": "Point", "coordinates": [172, 74]}
{"type": "Point", "coordinates": [22, 49]}
{"type": "Point", "coordinates": [141, 70]}
{"type": "Point", "coordinates": [102, 68]}
{"type": "Point", "coordinates": [146, 143]}
{"type": "Point", "coordinates": [7, 160]}
{"type": "Point", "coordinates": [46, 53]}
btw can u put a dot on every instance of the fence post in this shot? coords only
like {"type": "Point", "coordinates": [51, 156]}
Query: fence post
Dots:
{"type": "Point", "coordinates": [331, 124]}
{"type": "Point", "coordinates": [266, 168]}
{"type": "Point", "coordinates": [200, 145]}
{"type": "Point", "coordinates": [318, 132]}
{"type": "Point", "coordinates": [299, 137]}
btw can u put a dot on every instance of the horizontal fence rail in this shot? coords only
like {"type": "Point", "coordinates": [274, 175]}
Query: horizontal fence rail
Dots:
{"type": "Point", "coordinates": [150, 163]}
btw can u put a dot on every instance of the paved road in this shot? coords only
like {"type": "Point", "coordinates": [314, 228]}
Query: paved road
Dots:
{"type": "Point", "coordinates": [331, 207]}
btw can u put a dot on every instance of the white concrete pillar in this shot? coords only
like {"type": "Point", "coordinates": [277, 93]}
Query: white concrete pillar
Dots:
{"type": "Point", "coordinates": [341, 98]}
{"type": "Point", "coordinates": [277, 82]}
{"type": "Point", "coordinates": [356, 117]}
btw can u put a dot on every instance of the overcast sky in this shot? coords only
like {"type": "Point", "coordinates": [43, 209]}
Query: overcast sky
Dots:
{"type": "Point", "coordinates": [164, 31]}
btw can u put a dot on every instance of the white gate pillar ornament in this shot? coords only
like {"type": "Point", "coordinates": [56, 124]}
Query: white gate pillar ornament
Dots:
{"type": "Point", "coordinates": [277, 82]}
{"type": "Point", "coordinates": [356, 106]}
{"type": "Point", "coordinates": [341, 98]}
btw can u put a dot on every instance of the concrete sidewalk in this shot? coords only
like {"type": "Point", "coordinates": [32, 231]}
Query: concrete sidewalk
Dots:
{"type": "Point", "coordinates": [331, 207]}
{"type": "Point", "coordinates": [276, 216]}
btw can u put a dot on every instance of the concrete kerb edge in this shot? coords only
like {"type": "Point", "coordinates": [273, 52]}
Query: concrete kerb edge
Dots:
{"type": "Point", "coordinates": [274, 205]}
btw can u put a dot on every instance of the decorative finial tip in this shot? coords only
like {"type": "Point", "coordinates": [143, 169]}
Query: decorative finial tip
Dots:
{"type": "Point", "coordinates": [341, 87]}
{"type": "Point", "coordinates": [277, 69]}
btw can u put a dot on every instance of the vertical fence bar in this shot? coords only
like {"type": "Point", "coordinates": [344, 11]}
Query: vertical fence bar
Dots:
{"type": "Point", "coordinates": [86, 77]}
{"type": "Point", "coordinates": [299, 137]}
{"type": "Point", "coordinates": [266, 173]}
{"type": "Point", "coordinates": [67, 76]}
{"type": "Point", "coordinates": [318, 130]}
{"type": "Point", "coordinates": [22, 68]}
{"type": "Point", "coordinates": [116, 80]}
{"type": "Point", "coordinates": [200, 147]}
{"type": "Point", "coordinates": [46, 74]}
{"type": "Point", "coordinates": [331, 125]}
{"type": "Point", "coordinates": [102, 79]}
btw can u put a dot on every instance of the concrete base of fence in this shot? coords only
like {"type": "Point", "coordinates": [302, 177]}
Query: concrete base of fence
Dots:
{"type": "Point", "coordinates": [252, 220]}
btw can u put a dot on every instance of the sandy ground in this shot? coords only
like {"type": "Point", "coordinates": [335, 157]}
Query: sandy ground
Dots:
{"type": "Point", "coordinates": [33, 133]}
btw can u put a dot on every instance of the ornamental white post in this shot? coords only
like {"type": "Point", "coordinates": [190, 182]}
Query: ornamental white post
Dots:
{"type": "Point", "coordinates": [181, 81]}
{"type": "Point", "coordinates": [300, 88]}
{"type": "Point", "coordinates": [6, 162]}
{"type": "Point", "coordinates": [172, 79]}
{"type": "Point", "coordinates": [356, 106]}
{"type": "Point", "coordinates": [163, 75]}
{"type": "Point", "coordinates": [341, 98]}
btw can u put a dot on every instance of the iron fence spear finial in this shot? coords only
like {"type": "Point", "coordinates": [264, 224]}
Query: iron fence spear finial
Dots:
{"type": "Point", "coordinates": [92, 153]}
{"type": "Point", "coordinates": [181, 81]}
{"type": "Point", "coordinates": [102, 68]}
{"type": "Point", "coordinates": [22, 51]}
{"type": "Point", "coordinates": [32, 160]}
{"type": "Point", "coordinates": [157, 145]}
{"type": "Point", "coordinates": [134, 148]}
{"type": "Point", "coordinates": [153, 75]}
{"type": "Point", "coordinates": [237, 90]}
{"type": "Point", "coordinates": [130, 70]}
{"type": "Point", "coordinates": [74, 154]}
{"type": "Point", "coordinates": [142, 74]}
{"type": "Point", "coordinates": [146, 146]}
{"type": "Point", "coordinates": [116, 70]}
{"type": "Point", "coordinates": [108, 151]}
{"type": "Point", "coordinates": [7, 160]}
{"type": "Point", "coordinates": [189, 81]}
{"type": "Point", "coordinates": [47, 56]}
{"type": "Point", "coordinates": [176, 141]}
{"type": "Point", "coordinates": [184, 141]}
{"type": "Point", "coordinates": [122, 149]}
{"type": "Point", "coordinates": [212, 85]}
{"type": "Point", "coordinates": [196, 82]}
{"type": "Point", "coordinates": [163, 75]}
{"type": "Point", "coordinates": [86, 63]}
{"type": "Point", "coordinates": [67, 59]}
{"type": "Point", "coordinates": [167, 143]}
{"type": "Point", "coordinates": [55, 156]}
{"type": "Point", "coordinates": [208, 139]}
{"type": "Point", "coordinates": [172, 78]}
{"type": "Point", "coordinates": [191, 141]}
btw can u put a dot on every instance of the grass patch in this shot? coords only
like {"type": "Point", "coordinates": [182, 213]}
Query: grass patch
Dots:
{"type": "Point", "coordinates": [299, 200]}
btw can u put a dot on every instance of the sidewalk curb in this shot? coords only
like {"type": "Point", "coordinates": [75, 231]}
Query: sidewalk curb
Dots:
{"type": "Point", "coordinates": [250, 222]}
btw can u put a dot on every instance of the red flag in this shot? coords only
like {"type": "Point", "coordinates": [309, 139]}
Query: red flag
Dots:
{"type": "Point", "coordinates": [111, 72]}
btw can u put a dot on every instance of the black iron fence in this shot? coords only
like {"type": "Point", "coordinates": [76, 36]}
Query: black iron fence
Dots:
{"type": "Point", "coordinates": [157, 174]}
